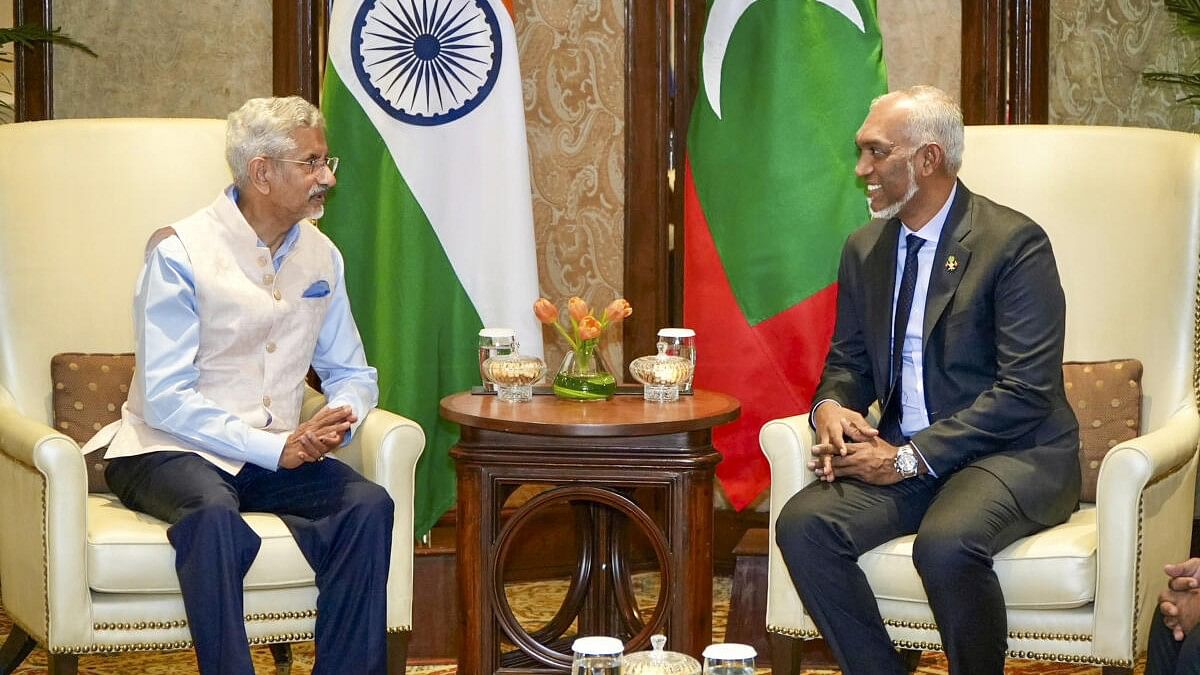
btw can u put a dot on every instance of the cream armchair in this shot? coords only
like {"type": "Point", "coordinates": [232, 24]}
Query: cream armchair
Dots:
{"type": "Point", "coordinates": [1122, 208]}
{"type": "Point", "coordinates": [79, 573]}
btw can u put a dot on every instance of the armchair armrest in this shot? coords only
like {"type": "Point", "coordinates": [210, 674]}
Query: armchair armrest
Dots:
{"type": "Point", "coordinates": [43, 542]}
{"type": "Point", "coordinates": [1146, 485]}
{"type": "Point", "coordinates": [787, 444]}
{"type": "Point", "coordinates": [385, 449]}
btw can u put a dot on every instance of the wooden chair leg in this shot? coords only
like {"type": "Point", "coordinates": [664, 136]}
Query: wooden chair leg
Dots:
{"type": "Point", "coordinates": [281, 652]}
{"type": "Point", "coordinates": [62, 664]}
{"type": "Point", "coordinates": [15, 649]}
{"type": "Point", "coordinates": [397, 646]}
{"type": "Point", "coordinates": [785, 654]}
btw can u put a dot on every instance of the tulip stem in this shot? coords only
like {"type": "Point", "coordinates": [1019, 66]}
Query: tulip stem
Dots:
{"type": "Point", "coordinates": [573, 343]}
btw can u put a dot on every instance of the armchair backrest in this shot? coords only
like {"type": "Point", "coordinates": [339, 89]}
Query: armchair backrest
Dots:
{"type": "Point", "coordinates": [78, 200]}
{"type": "Point", "coordinates": [1122, 209]}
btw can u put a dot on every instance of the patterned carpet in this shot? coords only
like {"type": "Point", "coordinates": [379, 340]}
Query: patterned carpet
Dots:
{"type": "Point", "coordinates": [533, 603]}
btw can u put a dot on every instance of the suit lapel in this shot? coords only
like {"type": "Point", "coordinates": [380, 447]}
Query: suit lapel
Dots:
{"type": "Point", "coordinates": [950, 262]}
{"type": "Point", "coordinates": [880, 271]}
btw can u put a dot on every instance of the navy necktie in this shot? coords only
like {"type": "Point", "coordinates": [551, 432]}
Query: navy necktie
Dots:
{"type": "Point", "coordinates": [908, 286]}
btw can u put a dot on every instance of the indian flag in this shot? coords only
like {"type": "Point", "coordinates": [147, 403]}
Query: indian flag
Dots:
{"type": "Point", "coordinates": [432, 209]}
{"type": "Point", "coordinates": [769, 197]}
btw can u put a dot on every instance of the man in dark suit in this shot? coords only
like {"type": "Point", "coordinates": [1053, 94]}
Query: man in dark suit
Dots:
{"type": "Point", "coordinates": [1174, 647]}
{"type": "Point", "coordinates": [976, 444]}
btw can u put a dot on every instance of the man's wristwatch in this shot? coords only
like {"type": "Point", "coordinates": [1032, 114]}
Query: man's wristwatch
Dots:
{"type": "Point", "coordinates": [906, 461]}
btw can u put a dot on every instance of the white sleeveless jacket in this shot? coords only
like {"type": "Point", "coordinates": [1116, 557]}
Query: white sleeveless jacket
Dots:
{"type": "Point", "coordinates": [257, 331]}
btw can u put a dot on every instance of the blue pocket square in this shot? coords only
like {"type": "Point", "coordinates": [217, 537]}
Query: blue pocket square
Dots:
{"type": "Point", "coordinates": [319, 289]}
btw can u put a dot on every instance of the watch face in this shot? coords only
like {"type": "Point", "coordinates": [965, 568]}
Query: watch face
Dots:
{"type": "Point", "coordinates": [906, 462]}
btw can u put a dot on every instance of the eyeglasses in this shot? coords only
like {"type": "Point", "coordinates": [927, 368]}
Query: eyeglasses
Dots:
{"type": "Point", "coordinates": [313, 164]}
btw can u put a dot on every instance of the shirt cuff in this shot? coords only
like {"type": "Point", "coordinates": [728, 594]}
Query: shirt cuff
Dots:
{"type": "Point", "coordinates": [340, 400]}
{"type": "Point", "coordinates": [264, 448]}
{"type": "Point", "coordinates": [923, 460]}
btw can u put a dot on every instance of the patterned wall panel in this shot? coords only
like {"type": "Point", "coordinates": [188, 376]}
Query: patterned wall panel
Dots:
{"type": "Point", "coordinates": [922, 43]}
{"type": "Point", "coordinates": [1098, 51]}
{"type": "Point", "coordinates": [573, 64]}
{"type": "Point", "coordinates": [162, 59]}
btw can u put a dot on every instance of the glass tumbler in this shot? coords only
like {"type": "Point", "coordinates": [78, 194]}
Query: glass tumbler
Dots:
{"type": "Point", "coordinates": [596, 655]}
{"type": "Point", "coordinates": [494, 342]}
{"type": "Point", "coordinates": [729, 658]}
{"type": "Point", "coordinates": [681, 342]}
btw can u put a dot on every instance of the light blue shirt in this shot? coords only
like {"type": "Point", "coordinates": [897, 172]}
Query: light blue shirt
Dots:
{"type": "Point", "coordinates": [914, 415]}
{"type": "Point", "coordinates": [167, 325]}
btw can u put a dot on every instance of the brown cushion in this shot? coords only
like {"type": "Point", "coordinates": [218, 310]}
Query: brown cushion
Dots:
{"type": "Point", "coordinates": [89, 390]}
{"type": "Point", "coordinates": [1107, 399]}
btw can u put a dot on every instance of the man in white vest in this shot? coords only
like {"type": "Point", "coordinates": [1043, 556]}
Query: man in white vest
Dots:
{"type": "Point", "coordinates": [233, 306]}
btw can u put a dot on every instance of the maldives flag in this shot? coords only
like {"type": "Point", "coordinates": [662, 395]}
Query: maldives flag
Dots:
{"type": "Point", "coordinates": [432, 209]}
{"type": "Point", "coordinates": [770, 196]}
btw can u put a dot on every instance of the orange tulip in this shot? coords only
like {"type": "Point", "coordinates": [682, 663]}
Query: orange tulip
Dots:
{"type": "Point", "coordinates": [589, 328]}
{"type": "Point", "coordinates": [545, 311]}
{"type": "Point", "coordinates": [577, 308]}
{"type": "Point", "coordinates": [617, 310]}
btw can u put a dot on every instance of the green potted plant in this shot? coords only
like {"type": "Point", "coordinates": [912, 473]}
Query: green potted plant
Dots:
{"type": "Point", "coordinates": [28, 35]}
{"type": "Point", "coordinates": [1187, 13]}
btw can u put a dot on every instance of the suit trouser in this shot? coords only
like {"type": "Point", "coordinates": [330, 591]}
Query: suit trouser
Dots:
{"type": "Point", "coordinates": [960, 522]}
{"type": "Point", "coordinates": [341, 521]}
{"type": "Point", "coordinates": [1166, 656]}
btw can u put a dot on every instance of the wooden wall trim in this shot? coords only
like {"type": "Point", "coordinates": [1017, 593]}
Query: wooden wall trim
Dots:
{"type": "Point", "coordinates": [984, 91]}
{"type": "Point", "coordinates": [296, 48]}
{"type": "Point", "coordinates": [648, 199]}
{"type": "Point", "coordinates": [1029, 82]}
{"type": "Point", "coordinates": [689, 35]}
{"type": "Point", "coordinates": [1005, 61]}
{"type": "Point", "coordinates": [33, 81]}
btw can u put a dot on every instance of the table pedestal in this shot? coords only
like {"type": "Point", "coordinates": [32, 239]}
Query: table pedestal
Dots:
{"type": "Point", "coordinates": [594, 465]}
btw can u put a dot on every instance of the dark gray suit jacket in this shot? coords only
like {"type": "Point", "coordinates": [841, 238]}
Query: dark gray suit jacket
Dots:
{"type": "Point", "coordinates": [993, 350]}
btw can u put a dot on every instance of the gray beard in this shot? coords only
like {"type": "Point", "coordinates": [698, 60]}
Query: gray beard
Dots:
{"type": "Point", "coordinates": [316, 213]}
{"type": "Point", "coordinates": [889, 212]}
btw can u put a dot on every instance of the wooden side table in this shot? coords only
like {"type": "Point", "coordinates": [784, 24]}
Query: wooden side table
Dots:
{"type": "Point", "coordinates": [593, 454]}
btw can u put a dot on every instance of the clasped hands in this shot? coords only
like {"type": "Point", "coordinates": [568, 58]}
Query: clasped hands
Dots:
{"type": "Point", "coordinates": [316, 436]}
{"type": "Point", "coordinates": [1180, 603]}
{"type": "Point", "coordinates": [849, 447]}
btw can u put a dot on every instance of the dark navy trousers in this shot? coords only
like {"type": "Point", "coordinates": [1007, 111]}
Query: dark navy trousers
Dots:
{"type": "Point", "coordinates": [960, 523]}
{"type": "Point", "coordinates": [1168, 657]}
{"type": "Point", "coordinates": [341, 521]}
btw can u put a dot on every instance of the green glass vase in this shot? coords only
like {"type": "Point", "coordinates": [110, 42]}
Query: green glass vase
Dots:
{"type": "Point", "coordinates": [583, 375]}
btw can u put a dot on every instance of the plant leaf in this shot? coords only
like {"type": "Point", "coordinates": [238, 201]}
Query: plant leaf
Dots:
{"type": "Point", "coordinates": [29, 35]}
{"type": "Point", "coordinates": [1187, 14]}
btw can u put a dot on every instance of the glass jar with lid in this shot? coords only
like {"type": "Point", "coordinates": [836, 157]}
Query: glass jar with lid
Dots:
{"type": "Point", "coordinates": [514, 375]}
{"type": "Point", "coordinates": [729, 658]}
{"type": "Point", "coordinates": [596, 655]}
{"type": "Point", "coordinates": [661, 374]}
{"type": "Point", "coordinates": [659, 661]}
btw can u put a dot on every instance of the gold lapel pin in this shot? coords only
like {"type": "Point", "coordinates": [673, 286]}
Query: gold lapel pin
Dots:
{"type": "Point", "coordinates": [951, 263]}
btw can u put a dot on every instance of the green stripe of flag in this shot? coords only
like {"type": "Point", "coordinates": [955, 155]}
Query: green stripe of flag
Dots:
{"type": "Point", "coordinates": [775, 174]}
{"type": "Point", "coordinates": [417, 323]}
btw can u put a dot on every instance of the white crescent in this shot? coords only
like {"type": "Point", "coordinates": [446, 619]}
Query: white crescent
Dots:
{"type": "Point", "coordinates": [723, 18]}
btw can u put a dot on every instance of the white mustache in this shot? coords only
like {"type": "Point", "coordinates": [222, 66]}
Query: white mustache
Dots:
{"type": "Point", "coordinates": [317, 192]}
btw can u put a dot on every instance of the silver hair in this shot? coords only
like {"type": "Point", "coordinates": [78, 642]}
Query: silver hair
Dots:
{"type": "Point", "coordinates": [933, 117]}
{"type": "Point", "coordinates": [263, 127]}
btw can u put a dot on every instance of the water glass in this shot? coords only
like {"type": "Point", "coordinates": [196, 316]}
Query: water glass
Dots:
{"type": "Point", "coordinates": [596, 655]}
{"type": "Point", "coordinates": [494, 342]}
{"type": "Point", "coordinates": [729, 658]}
{"type": "Point", "coordinates": [681, 342]}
